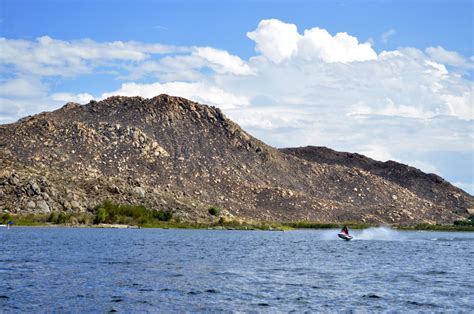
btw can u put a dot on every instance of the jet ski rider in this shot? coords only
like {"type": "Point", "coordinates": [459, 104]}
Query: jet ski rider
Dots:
{"type": "Point", "coordinates": [345, 230]}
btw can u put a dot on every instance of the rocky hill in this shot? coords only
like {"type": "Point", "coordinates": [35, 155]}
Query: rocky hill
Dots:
{"type": "Point", "coordinates": [172, 153]}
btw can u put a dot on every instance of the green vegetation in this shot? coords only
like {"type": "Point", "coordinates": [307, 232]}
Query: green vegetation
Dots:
{"type": "Point", "coordinates": [458, 225]}
{"type": "Point", "coordinates": [248, 225]}
{"type": "Point", "coordinates": [6, 217]}
{"type": "Point", "coordinates": [214, 211]}
{"type": "Point", "coordinates": [30, 220]}
{"type": "Point", "coordinates": [100, 215]}
{"type": "Point", "coordinates": [113, 213]}
{"type": "Point", "coordinates": [466, 222]}
{"type": "Point", "coordinates": [109, 212]}
{"type": "Point", "coordinates": [463, 225]}
{"type": "Point", "coordinates": [62, 218]}
{"type": "Point", "coordinates": [438, 227]}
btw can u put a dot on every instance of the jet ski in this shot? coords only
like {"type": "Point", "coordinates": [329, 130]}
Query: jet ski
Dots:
{"type": "Point", "coordinates": [344, 236]}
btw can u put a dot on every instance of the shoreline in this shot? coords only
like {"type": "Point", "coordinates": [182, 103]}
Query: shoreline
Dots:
{"type": "Point", "coordinates": [122, 216]}
{"type": "Point", "coordinates": [262, 226]}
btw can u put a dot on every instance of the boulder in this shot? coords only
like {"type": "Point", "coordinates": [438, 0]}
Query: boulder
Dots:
{"type": "Point", "coordinates": [42, 206]}
{"type": "Point", "coordinates": [31, 205]}
{"type": "Point", "coordinates": [75, 205]}
{"type": "Point", "coordinates": [14, 180]}
{"type": "Point", "coordinates": [33, 188]}
{"type": "Point", "coordinates": [138, 190]}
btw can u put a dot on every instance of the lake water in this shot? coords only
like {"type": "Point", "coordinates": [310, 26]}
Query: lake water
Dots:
{"type": "Point", "coordinates": [152, 270]}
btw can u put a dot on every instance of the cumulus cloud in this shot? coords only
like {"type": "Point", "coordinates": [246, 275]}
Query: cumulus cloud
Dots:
{"type": "Point", "coordinates": [317, 43]}
{"type": "Point", "coordinates": [278, 41]}
{"type": "Point", "coordinates": [275, 40]}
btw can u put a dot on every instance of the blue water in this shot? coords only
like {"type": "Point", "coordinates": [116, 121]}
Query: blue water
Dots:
{"type": "Point", "coordinates": [152, 270]}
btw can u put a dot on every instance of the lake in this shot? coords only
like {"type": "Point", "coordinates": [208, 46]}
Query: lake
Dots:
{"type": "Point", "coordinates": [153, 270]}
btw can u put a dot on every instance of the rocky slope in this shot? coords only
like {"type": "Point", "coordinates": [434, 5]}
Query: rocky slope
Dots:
{"type": "Point", "coordinates": [427, 186]}
{"type": "Point", "coordinates": [172, 153]}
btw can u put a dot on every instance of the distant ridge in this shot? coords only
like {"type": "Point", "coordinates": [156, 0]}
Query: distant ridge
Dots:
{"type": "Point", "coordinates": [428, 186]}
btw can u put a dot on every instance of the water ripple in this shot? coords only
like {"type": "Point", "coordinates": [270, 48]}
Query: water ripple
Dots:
{"type": "Point", "coordinates": [100, 270]}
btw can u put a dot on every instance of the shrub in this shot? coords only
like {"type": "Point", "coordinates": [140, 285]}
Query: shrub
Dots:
{"type": "Point", "coordinates": [214, 211]}
{"type": "Point", "coordinates": [144, 220]}
{"type": "Point", "coordinates": [162, 215]}
{"type": "Point", "coordinates": [110, 212]}
{"type": "Point", "coordinates": [100, 215]}
{"type": "Point", "coordinates": [84, 219]}
{"type": "Point", "coordinates": [53, 217]}
{"type": "Point", "coordinates": [62, 218]}
{"type": "Point", "coordinates": [465, 222]}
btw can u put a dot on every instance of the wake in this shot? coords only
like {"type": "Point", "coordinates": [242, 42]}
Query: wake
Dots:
{"type": "Point", "coordinates": [370, 234]}
{"type": "Point", "coordinates": [378, 233]}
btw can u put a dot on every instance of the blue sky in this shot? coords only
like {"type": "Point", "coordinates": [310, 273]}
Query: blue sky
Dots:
{"type": "Point", "coordinates": [398, 84]}
{"type": "Point", "coordinates": [223, 24]}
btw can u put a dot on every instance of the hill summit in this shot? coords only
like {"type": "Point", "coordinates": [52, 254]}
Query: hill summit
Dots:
{"type": "Point", "coordinates": [174, 154]}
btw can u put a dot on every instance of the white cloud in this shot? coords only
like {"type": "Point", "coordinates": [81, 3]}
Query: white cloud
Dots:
{"type": "Point", "coordinates": [223, 62]}
{"type": "Point", "coordinates": [199, 92]}
{"type": "Point", "coordinates": [23, 87]}
{"type": "Point", "coordinates": [441, 55]}
{"type": "Point", "coordinates": [81, 98]}
{"type": "Point", "coordinates": [12, 109]}
{"type": "Point", "coordinates": [461, 105]}
{"type": "Point", "coordinates": [187, 67]}
{"type": "Point", "coordinates": [377, 152]}
{"type": "Point", "coordinates": [386, 35]}
{"type": "Point", "coordinates": [275, 40]}
{"type": "Point", "coordinates": [269, 118]}
{"type": "Point", "coordinates": [169, 68]}
{"type": "Point", "coordinates": [423, 166]}
{"type": "Point", "coordinates": [317, 43]}
{"type": "Point", "coordinates": [279, 41]}
{"type": "Point", "coordinates": [389, 108]}
{"type": "Point", "coordinates": [51, 57]}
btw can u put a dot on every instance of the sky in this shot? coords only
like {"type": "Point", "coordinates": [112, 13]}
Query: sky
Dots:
{"type": "Point", "coordinates": [388, 79]}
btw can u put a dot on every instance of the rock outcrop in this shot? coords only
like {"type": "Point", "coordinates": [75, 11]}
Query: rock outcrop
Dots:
{"type": "Point", "coordinates": [172, 153]}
